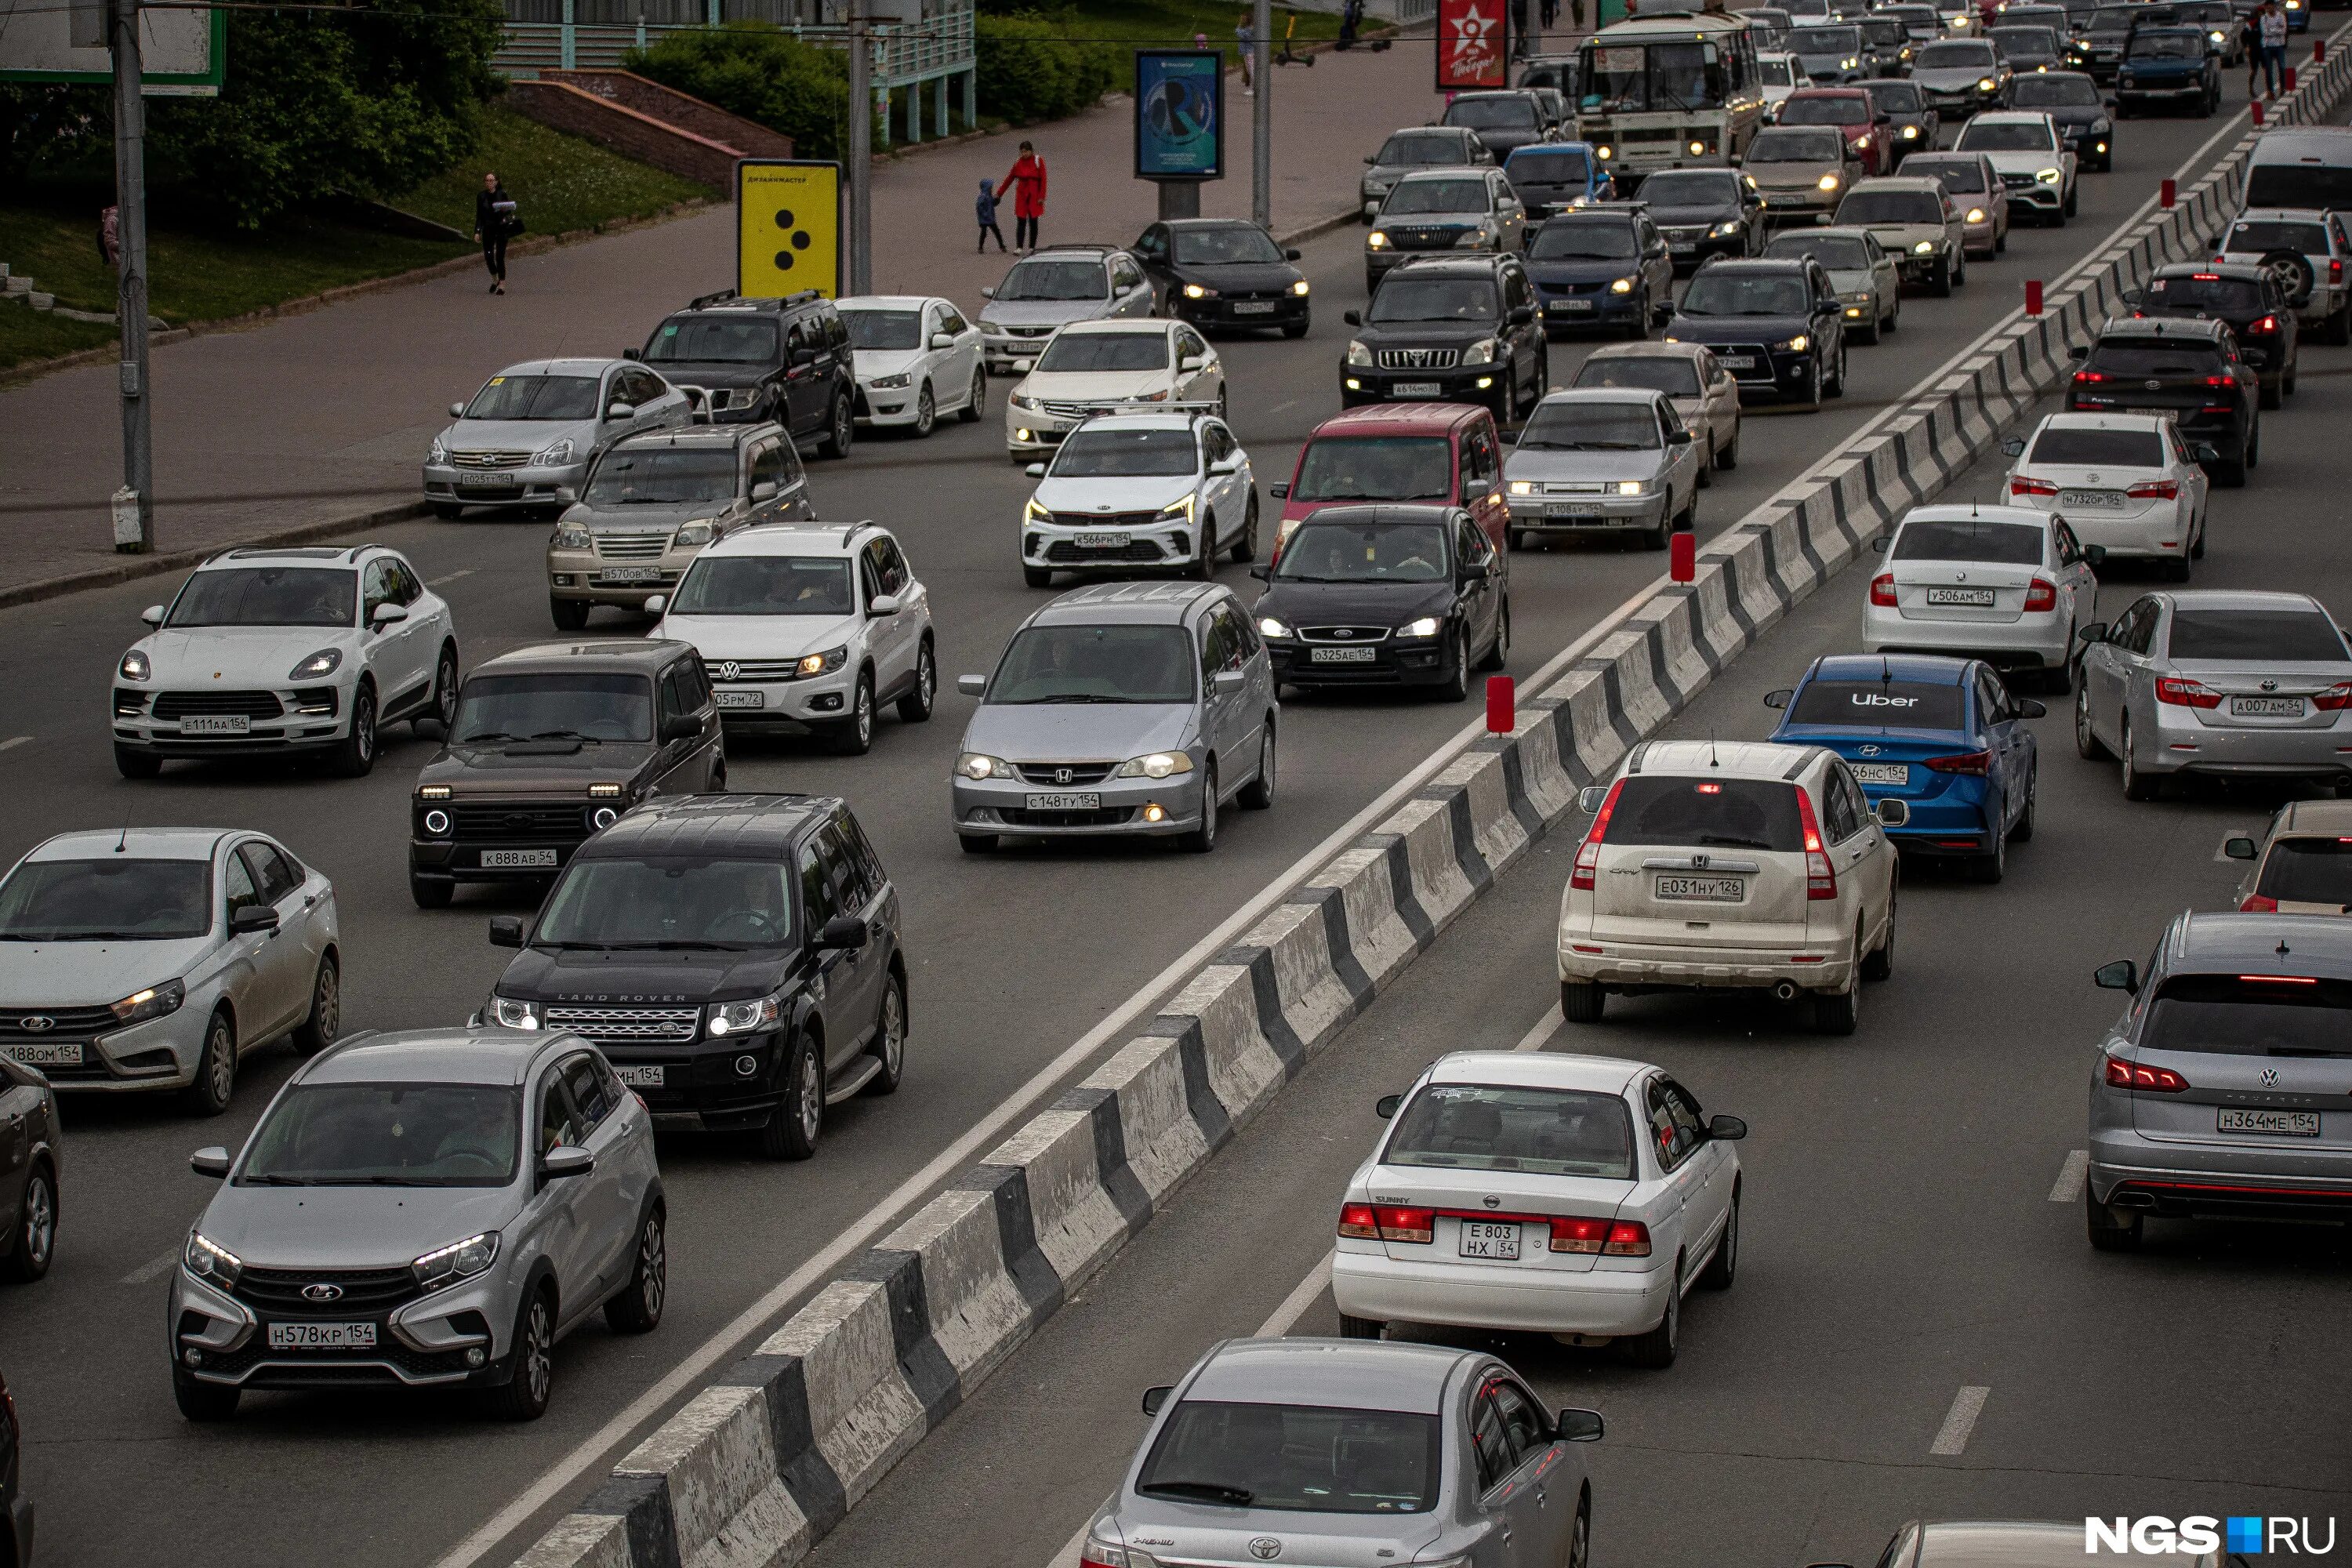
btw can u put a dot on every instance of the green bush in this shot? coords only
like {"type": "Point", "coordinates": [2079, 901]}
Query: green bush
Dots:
{"type": "Point", "coordinates": [760, 72]}
{"type": "Point", "coordinates": [1030, 71]}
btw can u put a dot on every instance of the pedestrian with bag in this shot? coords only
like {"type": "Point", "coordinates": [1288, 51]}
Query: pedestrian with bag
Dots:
{"type": "Point", "coordinates": [1026, 181]}
{"type": "Point", "coordinates": [495, 223]}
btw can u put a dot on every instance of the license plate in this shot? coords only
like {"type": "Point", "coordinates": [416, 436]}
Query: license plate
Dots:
{"type": "Point", "coordinates": [1880, 773]}
{"type": "Point", "coordinates": [1737, 362]}
{"type": "Point", "coordinates": [1417, 388]}
{"type": "Point", "coordinates": [509, 859]}
{"type": "Point", "coordinates": [2092, 500]}
{"type": "Point", "coordinates": [488, 483]}
{"type": "Point", "coordinates": [1706, 890]}
{"type": "Point", "coordinates": [1572, 513]}
{"type": "Point", "coordinates": [742, 698]}
{"type": "Point", "coordinates": [1685, 249]}
{"type": "Point", "coordinates": [639, 1078]}
{"type": "Point", "coordinates": [1497, 1239]}
{"type": "Point", "coordinates": [2265, 707]}
{"type": "Point", "coordinates": [1066, 800]}
{"type": "Point", "coordinates": [1340, 655]}
{"type": "Point", "coordinates": [63, 1054]}
{"type": "Point", "coordinates": [322, 1336]}
{"type": "Point", "coordinates": [1978, 598]}
{"type": "Point", "coordinates": [1098, 540]}
{"type": "Point", "coordinates": [216, 724]}
{"type": "Point", "coordinates": [2275, 1123]}
{"type": "Point", "coordinates": [1252, 307]}
{"type": "Point", "coordinates": [1583, 305]}
{"type": "Point", "coordinates": [629, 574]}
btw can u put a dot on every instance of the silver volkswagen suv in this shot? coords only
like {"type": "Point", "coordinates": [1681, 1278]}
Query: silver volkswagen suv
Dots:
{"type": "Point", "coordinates": [433, 1207]}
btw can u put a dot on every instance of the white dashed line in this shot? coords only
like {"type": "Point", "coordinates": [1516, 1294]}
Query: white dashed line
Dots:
{"type": "Point", "coordinates": [449, 577]}
{"type": "Point", "coordinates": [1953, 1437]}
{"type": "Point", "coordinates": [13, 741]}
{"type": "Point", "coordinates": [2069, 1185]}
{"type": "Point", "coordinates": [154, 1270]}
{"type": "Point", "coordinates": [1539, 1036]}
{"type": "Point", "coordinates": [1293, 1306]}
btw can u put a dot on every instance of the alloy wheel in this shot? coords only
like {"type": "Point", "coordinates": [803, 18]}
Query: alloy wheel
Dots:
{"type": "Point", "coordinates": [40, 1231]}
{"type": "Point", "coordinates": [810, 1094]}
{"type": "Point", "coordinates": [537, 1368]}
{"type": "Point", "coordinates": [652, 1267]}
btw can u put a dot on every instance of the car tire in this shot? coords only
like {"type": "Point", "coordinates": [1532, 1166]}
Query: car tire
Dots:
{"type": "Point", "coordinates": [2196, 541]}
{"type": "Point", "coordinates": [798, 1121]}
{"type": "Point", "coordinates": [1457, 681]}
{"type": "Point", "coordinates": [2137, 785]}
{"type": "Point", "coordinates": [325, 1022]}
{"type": "Point", "coordinates": [1960, 267]}
{"type": "Point", "coordinates": [1037, 577]}
{"type": "Point", "coordinates": [2000, 243]}
{"type": "Point", "coordinates": [1203, 838]}
{"type": "Point", "coordinates": [927, 412]}
{"type": "Point", "coordinates": [1583, 1001]}
{"type": "Point", "coordinates": [201, 1401]}
{"type": "Point", "coordinates": [2087, 744]}
{"type": "Point", "coordinates": [1245, 548]}
{"type": "Point", "coordinates": [2254, 444]}
{"type": "Point", "coordinates": [354, 756]}
{"type": "Point", "coordinates": [916, 706]}
{"type": "Point", "coordinates": [2022, 831]}
{"type": "Point", "coordinates": [2106, 1231]}
{"type": "Point", "coordinates": [2177, 571]}
{"type": "Point", "coordinates": [1990, 868]}
{"type": "Point", "coordinates": [2231, 475]}
{"type": "Point", "coordinates": [442, 711]}
{"type": "Point", "coordinates": [36, 1241]}
{"type": "Point", "coordinates": [209, 1092]}
{"type": "Point", "coordinates": [1871, 334]}
{"type": "Point", "coordinates": [431, 892]}
{"type": "Point", "coordinates": [2338, 329]}
{"type": "Point", "coordinates": [1837, 387]}
{"type": "Point", "coordinates": [569, 615]}
{"type": "Point", "coordinates": [1724, 1266]}
{"type": "Point", "coordinates": [1258, 793]}
{"type": "Point", "coordinates": [1940, 284]}
{"type": "Point", "coordinates": [1354, 1328]}
{"type": "Point", "coordinates": [637, 1310]}
{"type": "Point", "coordinates": [975, 405]}
{"type": "Point", "coordinates": [854, 736]}
{"type": "Point", "coordinates": [530, 1377]}
{"type": "Point", "coordinates": [1811, 401]}
{"type": "Point", "coordinates": [889, 1046]}
{"type": "Point", "coordinates": [137, 765]}
{"type": "Point", "coordinates": [1840, 1014]}
{"type": "Point", "coordinates": [840, 430]}
{"type": "Point", "coordinates": [977, 843]}
{"type": "Point", "coordinates": [1655, 1351]}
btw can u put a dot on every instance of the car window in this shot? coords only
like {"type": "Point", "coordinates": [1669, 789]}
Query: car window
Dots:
{"type": "Point", "coordinates": [1469, 544]}
{"type": "Point", "coordinates": [817, 901]}
{"type": "Point", "coordinates": [1233, 647]}
{"type": "Point", "coordinates": [376, 588]}
{"type": "Point", "coordinates": [773, 464]}
{"type": "Point", "coordinates": [1690, 1123]}
{"type": "Point", "coordinates": [559, 1121]}
{"type": "Point", "coordinates": [861, 850]}
{"type": "Point", "coordinates": [1490, 1441]}
{"type": "Point", "coordinates": [1665, 1137]}
{"type": "Point", "coordinates": [2143, 626]}
{"type": "Point", "coordinates": [1837, 810]}
{"type": "Point", "coordinates": [678, 691]}
{"type": "Point", "coordinates": [1521, 1423]}
{"type": "Point", "coordinates": [1123, 274]}
{"type": "Point", "coordinates": [1211, 649]}
{"type": "Point", "coordinates": [590, 1097]}
{"type": "Point", "coordinates": [239, 885]}
{"type": "Point", "coordinates": [843, 872]}
{"type": "Point", "coordinates": [273, 879]}
{"type": "Point", "coordinates": [1992, 703]}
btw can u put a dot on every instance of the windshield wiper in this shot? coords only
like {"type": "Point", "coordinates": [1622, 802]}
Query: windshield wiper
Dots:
{"type": "Point", "coordinates": [1208, 1491]}
{"type": "Point", "coordinates": [482, 735]}
{"type": "Point", "coordinates": [272, 1180]}
{"type": "Point", "coordinates": [1733, 841]}
{"type": "Point", "coordinates": [564, 735]}
{"type": "Point", "coordinates": [1076, 697]}
{"type": "Point", "coordinates": [678, 944]}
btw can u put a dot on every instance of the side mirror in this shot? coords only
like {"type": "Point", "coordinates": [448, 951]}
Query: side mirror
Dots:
{"type": "Point", "coordinates": [2131, 296]}
{"type": "Point", "coordinates": [764, 490]}
{"type": "Point", "coordinates": [1291, 255]}
{"type": "Point", "coordinates": [2110, 105]}
{"type": "Point", "coordinates": [1879, 544]}
{"type": "Point", "coordinates": [989, 292]}
{"type": "Point", "coordinates": [153, 615]}
{"type": "Point", "coordinates": [1728, 1129]}
{"type": "Point", "coordinates": [1226, 466]}
{"type": "Point", "coordinates": [1035, 470]}
{"type": "Point", "coordinates": [1522, 315]}
{"type": "Point", "coordinates": [2027, 707]}
{"type": "Point", "coordinates": [1153, 1398]}
{"type": "Point", "coordinates": [1371, 158]}
{"type": "Point", "coordinates": [631, 353]}
{"type": "Point", "coordinates": [655, 604]}
{"type": "Point", "coordinates": [386, 615]}
{"type": "Point", "coordinates": [2014, 446]}
{"type": "Point", "coordinates": [942, 340]}
{"type": "Point", "coordinates": [1262, 572]}
{"type": "Point", "coordinates": [1592, 798]}
{"type": "Point", "coordinates": [457, 411]}
{"type": "Point", "coordinates": [565, 1160]}
{"type": "Point", "coordinates": [1353, 318]}
{"type": "Point", "coordinates": [1734, 159]}
{"type": "Point", "coordinates": [2079, 352]}
{"type": "Point", "coordinates": [505, 931]}
{"type": "Point", "coordinates": [2094, 555]}
{"type": "Point", "coordinates": [1280, 490]}
{"type": "Point", "coordinates": [621, 411]}
{"type": "Point", "coordinates": [2123, 974]}
{"type": "Point", "coordinates": [212, 1162]}
{"type": "Point", "coordinates": [1893, 813]}
{"type": "Point", "coordinates": [1575, 1425]}
{"type": "Point", "coordinates": [2240, 848]}
{"type": "Point", "coordinates": [2205, 452]}
{"type": "Point", "coordinates": [882, 604]}
{"type": "Point", "coordinates": [842, 930]}
{"type": "Point", "coordinates": [1386, 1105]}
{"type": "Point", "coordinates": [2095, 632]}
{"type": "Point", "coordinates": [1189, 363]}
{"type": "Point", "coordinates": [681, 727]}
{"type": "Point", "coordinates": [973, 685]}
{"type": "Point", "coordinates": [1227, 682]}
{"type": "Point", "coordinates": [1678, 437]}
{"type": "Point", "coordinates": [1779, 698]}
{"type": "Point", "coordinates": [252, 918]}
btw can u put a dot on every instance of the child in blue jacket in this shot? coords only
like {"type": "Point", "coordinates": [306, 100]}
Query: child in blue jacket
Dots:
{"type": "Point", "coordinates": [984, 208]}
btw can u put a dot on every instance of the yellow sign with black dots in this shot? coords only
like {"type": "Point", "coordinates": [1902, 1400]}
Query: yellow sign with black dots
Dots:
{"type": "Point", "coordinates": [787, 227]}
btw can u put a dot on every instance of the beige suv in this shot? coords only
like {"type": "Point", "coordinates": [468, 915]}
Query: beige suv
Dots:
{"type": "Point", "coordinates": [1917, 222]}
{"type": "Point", "coordinates": [1739, 865]}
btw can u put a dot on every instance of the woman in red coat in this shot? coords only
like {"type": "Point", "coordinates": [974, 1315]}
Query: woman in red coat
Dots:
{"type": "Point", "coordinates": [1026, 181]}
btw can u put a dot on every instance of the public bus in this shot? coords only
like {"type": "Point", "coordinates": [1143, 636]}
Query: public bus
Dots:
{"type": "Point", "coordinates": [1669, 89]}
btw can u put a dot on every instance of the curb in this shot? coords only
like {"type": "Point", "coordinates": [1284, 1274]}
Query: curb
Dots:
{"type": "Point", "coordinates": [771, 1457]}
{"type": "Point", "coordinates": [133, 567]}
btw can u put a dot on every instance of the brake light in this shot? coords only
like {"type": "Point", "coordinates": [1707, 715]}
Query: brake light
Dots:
{"type": "Point", "coordinates": [2156, 490]}
{"type": "Point", "coordinates": [1358, 1221]}
{"type": "Point", "coordinates": [2267, 324]}
{"type": "Point", "coordinates": [2205, 278]}
{"type": "Point", "coordinates": [2219, 380]}
{"type": "Point", "coordinates": [2025, 487]}
{"type": "Point", "coordinates": [1820, 880]}
{"type": "Point", "coordinates": [2179, 693]}
{"type": "Point", "coordinates": [1587, 854]}
{"type": "Point", "coordinates": [1882, 589]}
{"type": "Point", "coordinates": [2336, 268]}
{"type": "Point", "coordinates": [1570, 1234]}
{"type": "Point", "coordinates": [2276, 980]}
{"type": "Point", "coordinates": [1406, 1225]}
{"type": "Point", "coordinates": [1974, 763]}
{"type": "Point", "coordinates": [2041, 595]}
{"type": "Point", "coordinates": [2082, 376]}
{"type": "Point", "coordinates": [2334, 700]}
{"type": "Point", "coordinates": [2122, 1074]}
{"type": "Point", "coordinates": [2259, 904]}
{"type": "Point", "coordinates": [1629, 1237]}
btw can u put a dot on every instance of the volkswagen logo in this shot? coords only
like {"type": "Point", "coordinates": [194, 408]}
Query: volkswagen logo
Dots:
{"type": "Point", "coordinates": [1266, 1548]}
{"type": "Point", "coordinates": [1062, 775]}
{"type": "Point", "coordinates": [1867, 751]}
{"type": "Point", "coordinates": [37, 1024]}
{"type": "Point", "coordinates": [2270, 1078]}
{"type": "Point", "coordinates": [729, 669]}
{"type": "Point", "coordinates": [322, 1291]}
{"type": "Point", "coordinates": [1492, 1202]}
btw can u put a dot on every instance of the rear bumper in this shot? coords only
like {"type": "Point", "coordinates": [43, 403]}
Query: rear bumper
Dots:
{"type": "Point", "coordinates": [1636, 966]}
{"type": "Point", "coordinates": [2174, 745]}
{"type": "Point", "coordinates": [2036, 642]}
{"type": "Point", "coordinates": [2183, 1181]}
{"type": "Point", "coordinates": [1458, 1293]}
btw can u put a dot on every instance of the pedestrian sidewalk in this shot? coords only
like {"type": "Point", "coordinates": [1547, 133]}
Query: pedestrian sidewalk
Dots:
{"type": "Point", "coordinates": [327, 416]}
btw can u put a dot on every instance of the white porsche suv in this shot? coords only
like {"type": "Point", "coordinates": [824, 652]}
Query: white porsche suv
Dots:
{"type": "Point", "coordinates": [300, 651]}
{"type": "Point", "coordinates": [1740, 865]}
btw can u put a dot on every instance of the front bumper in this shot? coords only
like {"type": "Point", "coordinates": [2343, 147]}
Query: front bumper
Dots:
{"type": "Point", "coordinates": [1283, 309]}
{"type": "Point", "coordinates": [532, 485]}
{"type": "Point", "coordinates": [626, 585]}
{"type": "Point", "coordinates": [2045, 198]}
{"type": "Point", "coordinates": [709, 1086]}
{"type": "Point", "coordinates": [1061, 549]}
{"type": "Point", "coordinates": [1604, 1303]}
{"type": "Point", "coordinates": [1641, 965]}
{"type": "Point", "coordinates": [784, 707]}
{"type": "Point", "coordinates": [455, 1336]}
{"type": "Point", "coordinates": [2036, 641]}
{"type": "Point", "coordinates": [1000, 806]}
{"type": "Point", "coordinates": [160, 1053]}
{"type": "Point", "coordinates": [888, 406]}
{"type": "Point", "coordinates": [1393, 662]}
{"type": "Point", "coordinates": [1588, 513]}
{"type": "Point", "coordinates": [1800, 203]}
{"type": "Point", "coordinates": [309, 719]}
{"type": "Point", "coordinates": [1359, 384]}
{"type": "Point", "coordinates": [1963, 103]}
{"type": "Point", "coordinates": [1580, 305]}
{"type": "Point", "coordinates": [2189, 91]}
{"type": "Point", "coordinates": [1776, 373]}
{"type": "Point", "coordinates": [1689, 254]}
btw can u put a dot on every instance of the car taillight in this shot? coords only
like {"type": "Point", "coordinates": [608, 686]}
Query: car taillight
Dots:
{"type": "Point", "coordinates": [2258, 904]}
{"type": "Point", "coordinates": [2179, 693]}
{"type": "Point", "coordinates": [1820, 880]}
{"type": "Point", "coordinates": [2041, 595]}
{"type": "Point", "coordinates": [1975, 764]}
{"type": "Point", "coordinates": [1629, 1237]}
{"type": "Point", "coordinates": [2266, 325]}
{"type": "Point", "coordinates": [1882, 589]}
{"type": "Point", "coordinates": [2122, 1074]}
{"type": "Point", "coordinates": [2334, 700]}
{"type": "Point", "coordinates": [2156, 490]}
{"type": "Point", "coordinates": [1569, 1234]}
{"type": "Point", "coordinates": [2021, 486]}
{"type": "Point", "coordinates": [2219, 380]}
{"type": "Point", "coordinates": [1406, 1225]}
{"type": "Point", "coordinates": [1587, 854]}
{"type": "Point", "coordinates": [2082, 376]}
{"type": "Point", "coordinates": [1358, 1221]}
{"type": "Point", "coordinates": [2336, 268]}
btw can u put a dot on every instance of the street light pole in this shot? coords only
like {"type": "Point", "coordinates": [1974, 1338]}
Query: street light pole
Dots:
{"type": "Point", "coordinates": [134, 504]}
{"type": "Point", "coordinates": [1262, 118]}
{"type": "Point", "coordinates": [860, 154]}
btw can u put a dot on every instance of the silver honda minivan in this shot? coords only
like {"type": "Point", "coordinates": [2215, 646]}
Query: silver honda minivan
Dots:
{"type": "Point", "coordinates": [430, 1207]}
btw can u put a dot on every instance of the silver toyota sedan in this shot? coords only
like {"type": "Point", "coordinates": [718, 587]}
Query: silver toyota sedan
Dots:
{"type": "Point", "coordinates": [1338, 1451]}
{"type": "Point", "coordinates": [2216, 682]}
{"type": "Point", "coordinates": [1614, 459]}
{"type": "Point", "coordinates": [527, 439]}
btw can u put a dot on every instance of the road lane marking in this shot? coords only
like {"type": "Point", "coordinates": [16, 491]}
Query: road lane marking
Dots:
{"type": "Point", "coordinates": [1953, 1437]}
{"type": "Point", "coordinates": [449, 577]}
{"type": "Point", "coordinates": [13, 741]}
{"type": "Point", "coordinates": [1537, 1038]}
{"type": "Point", "coordinates": [1293, 1306]}
{"type": "Point", "coordinates": [2069, 1185]}
{"type": "Point", "coordinates": [154, 1269]}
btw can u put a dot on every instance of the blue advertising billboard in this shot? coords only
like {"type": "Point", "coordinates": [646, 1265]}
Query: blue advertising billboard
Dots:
{"type": "Point", "coordinates": [1180, 114]}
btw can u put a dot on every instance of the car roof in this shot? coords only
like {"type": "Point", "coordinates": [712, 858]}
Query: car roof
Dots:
{"type": "Point", "coordinates": [1970, 512]}
{"type": "Point", "coordinates": [2264, 944]}
{"type": "Point", "coordinates": [1917, 668]}
{"type": "Point", "coordinates": [887, 301]}
{"type": "Point", "coordinates": [1182, 225]}
{"type": "Point", "coordinates": [2004, 1543]}
{"type": "Point", "coordinates": [288, 555]}
{"type": "Point", "coordinates": [2331, 816]}
{"type": "Point", "coordinates": [1811, 92]}
{"type": "Point", "coordinates": [2162, 326]}
{"type": "Point", "coordinates": [1458, 171]}
{"type": "Point", "coordinates": [1827, 230]}
{"type": "Point", "coordinates": [1128, 603]}
{"type": "Point", "coordinates": [2009, 117]}
{"type": "Point", "coordinates": [483, 1056]}
{"type": "Point", "coordinates": [698, 435]}
{"type": "Point", "coordinates": [1123, 326]}
{"type": "Point", "coordinates": [1730, 759]}
{"type": "Point", "coordinates": [741, 824]}
{"type": "Point", "coordinates": [1772, 264]}
{"type": "Point", "coordinates": [801, 538]}
{"type": "Point", "coordinates": [1485, 264]}
{"type": "Point", "coordinates": [1171, 419]}
{"type": "Point", "coordinates": [646, 654]}
{"type": "Point", "coordinates": [1343, 1375]}
{"type": "Point", "coordinates": [1399, 419]}
{"type": "Point", "coordinates": [2167, 27]}
{"type": "Point", "coordinates": [1538, 1069]}
{"type": "Point", "coordinates": [1647, 397]}
{"type": "Point", "coordinates": [1382, 513]}
{"type": "Point", "coordinates": [2266, 214]}
{"type": "Point", "coordinates": [1583, 147]}
{"type": "Point", "coordinates": [1073, 250]}
{"type": "Point", "coordinates": [1920, 185]}
{"type": "Point", "coordinates": [2119, 420]}
{"type": "Point", "coordinates": [135, 843]}
{"type": "Point", "coordinates": [561, 367]}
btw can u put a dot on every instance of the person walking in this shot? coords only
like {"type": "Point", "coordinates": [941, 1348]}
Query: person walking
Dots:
{"type": "Point", "coordinates": [1026, 181]}
{"type": "Point", "coordinates": [2250, 40]}
{"type": "Point", "coordinates": [494, 224]}
{"type": "Point", "coordinates": [1248, 36]}
{"type": "Point", "coordinates": [983, 207]}
{"type": "Point", "coordinates": [1351, 16]}
{"type": "Point", "coordinates": [2274, 25]}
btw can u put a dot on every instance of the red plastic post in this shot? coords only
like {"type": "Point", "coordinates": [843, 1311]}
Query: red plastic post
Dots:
{"type": "Point", "coordinates": [2318, 49]}
{"type": "Point", "coordinates": [2257, 107]}
{"type": "Point", "coordinates": [2290, 78]}
{"type": "Point", "coordinates": [1682, 562]}
{"type": "Point", "coordinates": [2034, 296]}
{"type": "Point", "coordinates": [2169, 194]}
{"type": "Point", "coordinates": [1502, 705]}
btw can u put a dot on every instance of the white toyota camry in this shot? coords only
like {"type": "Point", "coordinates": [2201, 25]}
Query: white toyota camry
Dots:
{"type": "Point", "coordinates": [2126, 482]}
{"type": "Point", "coordinates": [1099, 367]}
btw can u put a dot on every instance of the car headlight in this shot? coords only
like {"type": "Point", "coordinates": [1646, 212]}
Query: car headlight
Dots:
{"type": "Point", "coordinates": [1470, 239]}
{"type": "Point", "coordinates": [135, 666]}
{"type": "Point", "coordinates": [2217, 37]}
{"type": "Point", "coordinates": [508, 1014]}
{"type": "Point", "coordinates": [553, 452]}
{"type": "Point", "coordinates": [1698, 149]}
{"type": "Point", "coordinates": [1357, 353]}
{"type": "Point", "coordinates": [323, 662]}
{"type": "Point", "coordinates": [1924, 248]}
{"type": "Point", "coordinates": [1267, 627]}
{"type": "Point", "coordinates": [1797, 344]}
{"type": "Point", "coordinates": [1633, 487]}
{"type": "Point", "coordinates": [1299, 286]}
{"type": "Point", "coordinates": [1976, 214]}
{"type": "Point", "coordinates": [436, 453]}
{"type": "Point", "coordinates": [2047, 176]}
{"type": "Point", "coordinates": [1177, 510]}
{"type": "Point", "coordinates": [1848, 63]}
{"type": "Point", "coordinates": [1910, 134]}
{"type": "Point", "coordinates": [1036, 512]}
{"type": "Point", "coordinates": [1523, 487]}
{"type": "Point", "coordinates": [832, 658]}
{"type": "Point", "coordinates": [210, 1262]}
{"type": "Point", "coordinates": [974, 766]}
{"type": "Point", "coordinates": [153, 1002]}
{"type": "Point", "coordinates": [1988, 85]}
{"type": "Point", "coordinates": [1722, 230]}
{"type": "Point", "coordinates": [1480, 352]}
{"type": "Point", "coordinates": [571, 536]}
{"type": "Point", "coordinates": [1427, 627]}
{"type": "Point", "coordinates": [892, 382]}
{"type": "Point", "coordinates": [1194, 292]}
{"type": "Point", "coordinates": [693, 533]}
{"type": "Point", "coordinates": [2101, 127]}
{"type": "Point", "coordinates": [1621, 286]}
{"type": "Point", "coordinates": [1376, 240]}
{"type": "Point", "coordinates": [1023, 400]}
{"type": "Point", "coordinates": [1826, 183]}
{"type": "Point", "coordinates": [746, 1018]}
{"type": "Point", "coordinates": [1157, 765]}
{"type": "Point", "coordinates": [458, 1261]}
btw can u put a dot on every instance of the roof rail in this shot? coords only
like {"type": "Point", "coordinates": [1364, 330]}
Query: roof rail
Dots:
{"type": "Point", "coordinates": [701, 302]}
{"type": "Point", "coordinates": [356, 548]}
{"type": "Point", "coordinates": [1080, 245]}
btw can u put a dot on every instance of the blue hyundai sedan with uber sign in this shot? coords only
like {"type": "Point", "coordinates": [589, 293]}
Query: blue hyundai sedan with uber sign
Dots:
{"type": "Point", "coordinates": [1941, 735]}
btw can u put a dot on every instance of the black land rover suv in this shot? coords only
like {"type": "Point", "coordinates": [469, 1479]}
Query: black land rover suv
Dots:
{"type": "Point", "coordinates": [1453, 328]}
{"type": "Point", "coordinates": [551, 743]}
{"type": "Point", "coordinates": [735, 957]}
{"type": "Point", "coordinates": [787, 360]}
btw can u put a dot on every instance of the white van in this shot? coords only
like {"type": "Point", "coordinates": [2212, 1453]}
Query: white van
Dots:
{"type": "Point", "coordinates": [2302, 166]}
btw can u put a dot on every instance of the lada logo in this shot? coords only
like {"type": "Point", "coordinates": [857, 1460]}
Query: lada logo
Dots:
{"type": "Point", "coordinates": [37, 1024]}
{"type": "Point", "coordinates": [322, 1291]}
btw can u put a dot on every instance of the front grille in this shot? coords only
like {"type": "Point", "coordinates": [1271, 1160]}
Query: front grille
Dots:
{"type": "Point", "coordinates": [2018, 182]}
{"type": "Point", "coordinates": [1420, 359]}
{"type": "Point", "coordinates": [736, 671]}
{"type": "Point", "coordinates": [637, 1023]}
{"type": "Point", "coordinates": [1105, 518]}
{"type": "Point", "coordinates": [1066, 773]}
{"type": "Point", "coordinates": [489, 459]}
{"type": "Point", "coordinates": [364, 1292]}
{"type": "Point", "coordinates": [1106, 816]}
{"type": "Point", "coordinates": [1650, 133]}
{"type": "Point", "coordinates": [1343, 634]}
{"type": "Point", "coordinates": [1569, 290]}
{"type": "Point", "coordinates": [252, 704]}
{"type": "Point", "coordinates": [1424, 238]}
{"type": "Point", "coordinates": [65, 1023]}
{"type": "Point", "coordinates": [1063, 552]}
{"type": "Point", "coordinates": [518, 820]}
{"type": "Point", "coordinates": [1083, 410]}
{"type": "Point", "coordinates": [631, 546]}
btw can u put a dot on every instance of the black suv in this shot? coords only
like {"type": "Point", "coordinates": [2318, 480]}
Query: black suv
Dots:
{"type": "Point", "coordinates": [1776, 325]}
{"type": "Point", "coordinates": [550, 744]}
{"type": "Point", "coordinates": [1453, 328]}
{"type": "Point", "coordinates": [735, 957]}
{"type": "Point", "coordinates": [2189, 369]}
{"type": "Point", "coordinates": [788, 360]}
{"type": "Point", "coordinates": [2245, 296]}
{"type": "Point", "coordinates": [2072, 101]}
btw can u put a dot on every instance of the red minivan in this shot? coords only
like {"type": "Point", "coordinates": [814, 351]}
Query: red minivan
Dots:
{"type": "Point", "coordinates": [1441, 453]}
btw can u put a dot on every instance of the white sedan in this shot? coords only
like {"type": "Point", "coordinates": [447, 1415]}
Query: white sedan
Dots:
{"type": "Point", "coordinates": [2127, 483]}
{"type": "Point", "coordinates": [1577, 1197]}
{"type": "Point", "coordinates": [2008, 584]}
{"type": "Point", "coordinates": [1097, 367]}
{"type": "Point", "coordinates": [915, 357]}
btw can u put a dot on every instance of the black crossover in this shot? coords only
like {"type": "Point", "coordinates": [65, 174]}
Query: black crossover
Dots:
{"type": "Point", "coordinates": [786, 359]}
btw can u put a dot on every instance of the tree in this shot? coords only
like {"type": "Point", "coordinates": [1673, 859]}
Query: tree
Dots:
{"type": "Point", "coordinates": [760, 71]}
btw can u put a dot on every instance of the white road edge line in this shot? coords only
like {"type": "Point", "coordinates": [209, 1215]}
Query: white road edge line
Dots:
{"type": "Point", "coordinates": [154, 1269]}
{"type": "Point", "coordinates": [13, 741]}
{"type": "Point", "coordinates": [2069, 1185]}
{"type": "Point", "coordinates": [1953, 1436]}
{"type": "Point", "coordinates": [1537, 1038]}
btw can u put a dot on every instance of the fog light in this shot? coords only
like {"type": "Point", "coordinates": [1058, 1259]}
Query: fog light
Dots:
{"type": "Point", "coordinates": [745, 1065]}
{"type": "Point", "coordinates": [1023, 436]}
{"type": "Point", "coordinates": [563, 579]}
{"type": "Point", "coordinates": [1484, 381]}
{"type": "Point", "coordinates": [1355, 386]}
{"type": "Point", "coordinates": [1153, 812]}
{"type": "Point", "coordinates": [603, 817]}
{"type": "Point", "coordinates": [193, 1356]}
{"type": "Point", "coordinates": [474, 1357]}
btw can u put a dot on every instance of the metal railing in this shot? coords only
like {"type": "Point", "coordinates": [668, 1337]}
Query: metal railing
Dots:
{"type": "Point", "coordinates": [558, 34]}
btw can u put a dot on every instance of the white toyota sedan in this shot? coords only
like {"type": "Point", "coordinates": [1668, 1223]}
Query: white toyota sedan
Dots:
{"type": "Point", "coordinates": [915, 358]}
{"type": "Point", "coordinates": [1577, 1197]}
{"type": "Point", "coordinates": [1100, 367]}
{"type": "Point", "coordinates": [2008, 585]}
{"type": "Point", "coordinates": [2126, 482]}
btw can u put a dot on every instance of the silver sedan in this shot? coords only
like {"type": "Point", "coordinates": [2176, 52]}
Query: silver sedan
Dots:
{"type": "Point", "coordinates": [1342, 1451]}
{"type": "Point", "coordinates": [528, 438]}
{"type": "Point", "coordinates": [2216, 682]}
{"type": "Point", "coordinates": [1615, 459]}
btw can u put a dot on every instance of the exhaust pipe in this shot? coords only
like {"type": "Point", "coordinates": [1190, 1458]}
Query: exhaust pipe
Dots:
{"type": "Point", "coordinates": [1784, 991]}
{"type": "Point", "coordinates": [2131, 1200]}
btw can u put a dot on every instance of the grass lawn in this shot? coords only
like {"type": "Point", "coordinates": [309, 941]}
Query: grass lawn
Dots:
{"type": "Point", "coordinates": [560, 183]}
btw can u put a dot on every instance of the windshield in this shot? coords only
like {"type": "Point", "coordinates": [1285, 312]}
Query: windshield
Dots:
{"type": "Point", "coordinates": [884, 330]}
{"type": "Point", "coordinates": [1376, 467]}
{"type": "Point", "coordinates": [2108, 448]}
{"type": "Point", "coordinates": [2113, 20]}
{"type": "Point", "coordinates": [2204, 293]}
{"type": "Point", "coordinates": [1774, 73]}
{"type": "Point", "coordinates": [1080, 353]}
{"type": "Point", "coordinates": [1692, 188]}
{"type": "Point", "coordinates": [2167, 47]}
{"type": "Point", "coordinates": [2308, 871]}
{"type": "Point", "coordinates": [2299, 186]}
{"type": "Point", "coordinates": [2014, 137]}
{"type": "Point", "coordinates": [2031, 43]}
{"type": "Point", "coordinates": [497, 707]}
{"type": "Point", "coordinates": [1103, 454]}
{"type": "Point", "coordinates": [1969, 539]}
{"type": "Point", "coordinates": [1732, 814]}
{"type": "Point", "coordinates": [1953, 58]}
{"type": "Point", "coordinates": [2145, 358]}
{"type": "Point", "coordinates": [535, 398]}
{"type": "Point", "coordinates": [1294, 1457]}
{"type": "Point", "coordinates": [1491, 113]}
{"type": "Point", "coordinates": [1096, 664]}
{"type": "Point", "coordinates": [1714, 293]}
{"type": "Point", "coordinates": [387, 1134]}
{"type": "Point", "coordinates": [2265, 636]}
{"type": "Point", "coordinates": [1436, 197]}
{"type": "Point", "coordinates": [1421, 150]}
{"type": "Point", "coordinates": [765, 585]}
{"type": "Point", "coordinates": [1408, 298]}
{"type": "Point", "coordinates": [1651, 373]}
{"type": "Point", "coordinates": [89, 900]}
{"type": "Point", "coordinates": [1591, 428]}
{"type": "Point", "coordinates": [724, 339]}
{"type": "Point", "coordinates": [1549, 1131]}
{"type": "Point", "coordinates": [662, 476]}
{"type": "Point", "coordinates": [1550, 168]}
{"type": "Point", "coordinates": [2261, 237]}
{"type": "Point", "coordinates": [1837, 252]}
{"type": "Point", "coordinates": [1897, 98]}
{"type": "Point", "coordinates": [1632, 78]}
{"type": "Point", "coordinates": [1212, 246]}
{"type": "Point", "coordinates": [1966, 177]}
{"type": "Point", "coordinates": [1605, 240]}
{"type": "Point", "coordinates": [688, 902]}
{"type": "Point", "coordinates": [1055, 280]}
{"type": "Point", "coordinates": [1876, 704]}
{"type": "Point", "coordinates": [268, 596]}
{"type": "Point", "coordinates": [1826, 41]}
{"type": "Point", "coordinates": [1826, 111]}
{"type": "Point", "coordinates": [1865, 208]}
{"type": "Point", "coordinates": [1323, 551]}
{"type": "Point", "coordinates": [2239, 1015]}
{"type": "Point", "coordinates": [2054, 92]}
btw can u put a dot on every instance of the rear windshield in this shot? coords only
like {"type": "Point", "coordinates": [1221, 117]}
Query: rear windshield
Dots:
{"type": "Point", "coordinates": [2220, 296]}
{"type": "Point", "coordinates": [2230, 1014]}
{"type": "Point", "coordinates": [2115, 448]}
{"type": "Point", "coordinates": [1651, 373]}
{"type": "Point", "coordinates": [1376, 467]}
{"type": "Point", "coordinates": [1299, 1458]}
{"type": "Point", "coordinates": [1891, 207]}
{"type": "Point", "coordinates": [1492, 113]}
{"type": "Point", "coordinates": [1600, 239]}
{"type": "Point", "coordinates": [1773, 73]}
{"type": "Point", "coordinates": [1970, 538]}
{"type": "Point", "coordinates": [1550, 168]}
{"type": "Point", "coordinates": [1479, 1127]}
{"type": "Point", "coordinates": [1906, 704]}
{"type": "Point", "coordinates": [2145, 358]}
{"type": "Point", "coordinates": [1826, 111]}
{"type": "Point", "coordinates": [1686, 812]}
{"type": "Point", "coordinates": [2272, 636]}
{"type": "Point", "coordinates": [1825, 41]}
{"type": "Point", "coordinates": [2308, 871]}
{"type": "Point", "coordinates": [2260, 235]}
{"type": "Point", "coordinates": [2299, 184]}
